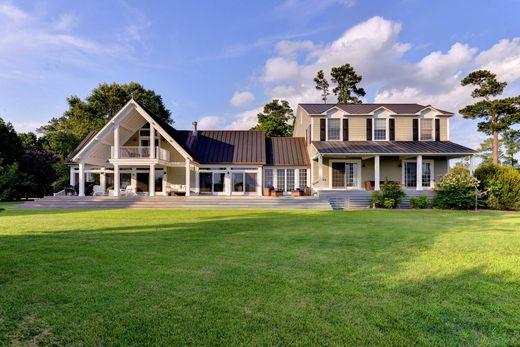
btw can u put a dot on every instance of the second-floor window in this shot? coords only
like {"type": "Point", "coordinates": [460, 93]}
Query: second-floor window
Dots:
{"type": "Point", "coordinates": [379, 129]}
{"type": "Point", "coordinates": [426, 129]}
{"type": "Point", "coordinates": [333, 129]}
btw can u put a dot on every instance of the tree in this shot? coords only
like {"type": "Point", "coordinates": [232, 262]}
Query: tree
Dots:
{"type": "Point", "coordinates": [323, 85]}
{"type": "Point", "coordinates": [39, 166]}
{"type": "Point", "coordinates": [347, 79]}
{"type": "Point", "coordinates": [276, 120]}
{"type": "Point", "coordinates": [10, 144]}
{"type": "Point", "coordinates": [29, 141]}
{"type": "Point", "coordinates": [511, 144]}
{"type": "Point", "coordinates": [485, 152]}
{"type": "Point", "coordinates": [497, 115]}
{"type": "Point", "coordinates": [63, 134]}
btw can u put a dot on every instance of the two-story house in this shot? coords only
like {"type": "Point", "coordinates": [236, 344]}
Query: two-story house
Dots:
{"type": "Point", "coordinates": [358, 146]}
{"type": "Point", "coordinates": [335, 147]}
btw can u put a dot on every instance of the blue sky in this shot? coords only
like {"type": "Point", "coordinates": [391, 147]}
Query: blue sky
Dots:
{"type": "Point", "coordinates": [218, 62]}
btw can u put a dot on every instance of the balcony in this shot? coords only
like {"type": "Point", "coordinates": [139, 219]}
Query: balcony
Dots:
{"type": "Point", "coordinates": [140, 152]}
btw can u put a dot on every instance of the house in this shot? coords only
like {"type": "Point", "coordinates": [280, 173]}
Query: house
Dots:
{"type": "Point", "coordinates": [335, 147]}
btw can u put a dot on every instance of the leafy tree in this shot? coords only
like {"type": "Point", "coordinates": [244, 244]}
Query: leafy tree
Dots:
{"type": "Point", "coordinates": [63, 134]}
{"type": "Point", "coordinates": [39, 166]}
{"type": "Point", "coordinates": [485, 151]}
{"type": "Point", "coordinates": [13, 182]}
{"type": "Point", "coordinates": [501, 184]}
{"type": "Point", "coordinates": [10, 144]}
{"type": "Point", "coordinates": [29, 141]}
{"type": "Point", "coordinates": [347, 80]}
{"type": "Point", "coordinates": [323, 85]}
{"type": "Point", "coordinates": [497, 115]}
{"type": "Point", "coordinates": [511, 144]}
{"type": "Point", "coordinates": [276, 120]}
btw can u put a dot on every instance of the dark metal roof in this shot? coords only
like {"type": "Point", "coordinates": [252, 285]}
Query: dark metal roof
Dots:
{"type": "Point", "coordinates": [287, 151]}
{"type": "Point", "coordinates": [391, 147]}
{"type": "Point", "coordinates": [225, 146]}
{"type": "Point", "coordinates": [403, 109]}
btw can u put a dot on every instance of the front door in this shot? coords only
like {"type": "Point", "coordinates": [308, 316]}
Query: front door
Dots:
{"type": "Point", "coordinates": [345, 175]}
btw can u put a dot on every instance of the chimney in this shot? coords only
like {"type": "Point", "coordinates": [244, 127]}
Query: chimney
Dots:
{"type": "Point", "coordinates": [194, 132]}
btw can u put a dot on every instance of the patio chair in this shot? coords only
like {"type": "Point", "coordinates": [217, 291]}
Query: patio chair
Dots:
{"type": "Point", "coordinates": [128, 191]}
{"type": "Point", "coordinates": [98, 190]}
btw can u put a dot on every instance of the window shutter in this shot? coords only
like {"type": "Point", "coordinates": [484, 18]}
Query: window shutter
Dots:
{"type": "Point", "coordinates": [322, 130]}
{"type": "Point", "coordinates": [369, 129]}
{"type": "Point", "coordinates": [345, 129]}
{"type": "Point", "coordinates": [437, 129]}
{"type": "Point", "coordinates": [415, 129]}
{"type": "Point", "coordinates": [391, 122]}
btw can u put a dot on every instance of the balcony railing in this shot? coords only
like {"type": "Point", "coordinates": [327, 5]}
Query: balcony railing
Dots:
{"type": "Point", "coordinates": [141, 152]}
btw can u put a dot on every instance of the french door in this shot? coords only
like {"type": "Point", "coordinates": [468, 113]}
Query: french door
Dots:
{"type": "Point", "coordinates": [345, 175]}
{"type": "Point", "coordinates": [211, 182]}
{"type": "Point", "coordinates": [244, 182]}
{"type": "Point", "coordinates": [410, 174]}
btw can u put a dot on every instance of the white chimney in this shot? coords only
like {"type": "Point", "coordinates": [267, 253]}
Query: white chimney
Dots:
{"type": "Point", "coordinates": [194, 132]}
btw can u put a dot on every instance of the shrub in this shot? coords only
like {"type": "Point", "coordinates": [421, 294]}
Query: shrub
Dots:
{"type": "Point", "coordinates": [456, 190]}
{"type": "Point", "coordinates": [420, 202]}
{"type": "Point", "coordinates": [390, 196]}
{"type": "Point", "coordinates": [504, 189]}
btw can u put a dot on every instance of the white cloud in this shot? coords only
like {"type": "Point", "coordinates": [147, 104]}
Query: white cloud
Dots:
{"type": "Point", "coordinates": [211, 123]}
{"type": "Point", "coordinates": [241, 99]}
{"type": "Point", "coordinates": [66, 21]}
{"type": "Point", "coordinates": [374, 49]}
{"type": "Point", "coordinates": [244, 120]}
{"type": "Point", "coordinates": [12, 12]}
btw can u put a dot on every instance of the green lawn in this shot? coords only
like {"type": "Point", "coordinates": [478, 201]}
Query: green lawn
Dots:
{"type": "Point", "coordinates": [168, 277]}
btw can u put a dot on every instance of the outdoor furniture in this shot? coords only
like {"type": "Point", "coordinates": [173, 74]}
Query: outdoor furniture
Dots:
{"type": "Point", "coordinates": [70, 191]}
{"type": "Point", "coordinates": [97, 190]}
{"type": "Point", "coordinates": [129, 191]}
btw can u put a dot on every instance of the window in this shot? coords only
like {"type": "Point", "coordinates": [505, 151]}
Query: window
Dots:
{"type": "Point", "coordinates": [379, 129]}
{"type": "Point", "coordinates": [268, 178]}
{"type": "Point", "coordinates": [333, 129]}
{"type": "Point", "coordinates": [426, 129]}
{"type": "Point", "coordinates": [205, 182]}
{"type": "Point", "coordinates": [218, 182]}
{"type": "Point", "coordinates": [290, 180]}
{"type": "Point", "coordinates": [345, 175]}
{"type": "Point", "coordinates": [303, 178]}
{"type": "Point", "coordinates": [410, 174]}
{"type": "Point", "coordinates": [426, 174]}
{"type": "Point", "coordinates": [238, 182]}
{"type": "Point", "coordinates": [280, 181]}
{"type": "Point", "coordinates": [250, 182]}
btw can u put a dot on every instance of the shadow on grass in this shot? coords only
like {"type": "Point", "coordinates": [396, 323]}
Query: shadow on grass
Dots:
{"type": "Point", "coordinates": [252, 278]}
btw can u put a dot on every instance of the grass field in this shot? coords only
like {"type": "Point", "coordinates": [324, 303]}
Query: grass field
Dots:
{"type": "Point", "coordinates": [167, 277]}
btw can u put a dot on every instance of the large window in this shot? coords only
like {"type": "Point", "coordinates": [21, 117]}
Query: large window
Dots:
{"type": "Point", "coordinates": [280, 181]}
{"type": "Point", "coordinates": [205, 182]}
{"type": "Point", "coordinates": [290, 179]}
{"type": "Point", "coordinates": [345, 175]}
{"type": "Point", "coordinates": [426, 129]}
{"type": "Point", "coordinates": [238, 182]}
{"type": "Point", "coordinates": [218, 182]}
{"type": "Point", "coordinates": [268, 178]}
{"type": "Point", "coordinates": [333, 129]}
{"type": "Point", "coordinates": [410, 174]}
{"type": "Point", "coordinates": [302, 178]}
{"type": "Point", "coordinates": [250, 182]}
{"type": "Point", "coordinates": [380, 129]}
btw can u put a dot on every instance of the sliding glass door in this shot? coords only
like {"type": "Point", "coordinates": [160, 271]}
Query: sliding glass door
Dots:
{"type": "Point", "coordinates": [211, 182]}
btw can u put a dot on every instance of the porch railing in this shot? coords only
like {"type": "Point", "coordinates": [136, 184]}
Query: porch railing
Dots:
{"type": "Point", "coordinates": [139, 152]}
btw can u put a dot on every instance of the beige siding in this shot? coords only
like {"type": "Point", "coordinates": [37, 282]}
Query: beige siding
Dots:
{"type": "Point", "coordinates": [440, 168]}
{"type": "Point", "coordinates": [444, 129]}
{"type": "Point", "coordinates": [175, 156]}
{"type": "Point", "coordinates": [302, 121]}
{"type": "Point", "coordinates": [357, 128]}
{"type": "Point", "coordinates": [403, 129]}
{"type": "Point", "coordinates": [176, 175]}
{"type": "Point", "coordinates": [316, 128]}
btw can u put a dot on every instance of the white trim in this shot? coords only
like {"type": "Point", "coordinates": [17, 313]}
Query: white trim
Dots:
{"type": "Point", "coordinates": [358, 178]}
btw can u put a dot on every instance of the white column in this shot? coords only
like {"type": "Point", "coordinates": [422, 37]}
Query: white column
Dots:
{"type": "Point", "coordinates": [116, 141]}
{"type": "Point", "coordinates": [81, 179]}
{"type": "Point", "coordinates": [260, 181]}
{"type": "Point", "coordinates": [152, 141]}
{"type": "Point", "coordinates": [133, 180]}
{"type": "Point", "coordinates": [471, 164]}
{"type": "Point", "coordinates": [117, 185]}
{"type": "Point", "coordinates": [151, 181]}
{"type": "Point", "coordinates": [197, 180]}
{"type": "Point", "coordinates": [103, 181]}
{"type": "Point", "coordinates": [419, 172]}
{"type": "Point", "coordinates": [188, 177]}
{"type": "Point", "coordinates": [377, 173]}
{"type": "Point", "coordinates": [320, 171]}
{"type": "Point", "coordinates": [72, 177]}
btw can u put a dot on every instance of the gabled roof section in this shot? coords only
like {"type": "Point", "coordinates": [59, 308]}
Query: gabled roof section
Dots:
{"type": "Point", "coordinates": [287, 151]}
{"type": "Point", "coordinates": [82, 144]}
{"type": "Point", "coordinates": [225, 146]}
{"type": "Point", "coordinates": [398, 109]}
{"type": "Point", "coordinates": [391, 147]}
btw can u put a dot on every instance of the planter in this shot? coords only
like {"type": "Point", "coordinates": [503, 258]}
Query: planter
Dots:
{"type": "Point", "coordinates": [277, 193]}
{"type": "Point", "coordinates": [297, 193]}
{"type": "Point", "coordinates": [267, 191]}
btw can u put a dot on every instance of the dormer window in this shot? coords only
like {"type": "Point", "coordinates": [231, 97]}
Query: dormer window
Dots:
{"type": "Point", "coordinates": [333, 129]}
{"type": "Point", "coordinates": [426, 129]}
{"type": "Point", "coordinates": [380, 129]}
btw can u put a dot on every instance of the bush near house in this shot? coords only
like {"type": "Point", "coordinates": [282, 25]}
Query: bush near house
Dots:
{"type": "Point", "coordinates": [501, 184]}
{"type": "Point", "coordinates": [419, 202]}
{"type": "Point", "coordinates": [456, 190]}
{"type": "Point", "coordinates": [390, 196]}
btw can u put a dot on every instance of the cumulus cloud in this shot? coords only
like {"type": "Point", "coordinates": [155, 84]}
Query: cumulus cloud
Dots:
{"type": "Point", "coordinates": [241, 99]}
{"type": "Point", "coordinates": [374, 49]}
{"type": "Point", "coordinates": [211, 122]}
